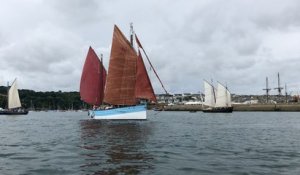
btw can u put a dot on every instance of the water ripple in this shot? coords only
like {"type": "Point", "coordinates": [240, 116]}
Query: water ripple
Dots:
{"type": "Point", "coordinates": [167, 143]}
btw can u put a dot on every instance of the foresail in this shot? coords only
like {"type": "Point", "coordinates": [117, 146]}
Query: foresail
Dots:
{"type": "Point", "coordinates": [92, 79]}
{"type": "Point", "coordinates": [140, 46]}
{"type": "Point", "coordinates": [13, 96]}
{"type": "Point", "coordinates": [121, 78]}
{"type": "Point", "coordinates": [209, 94]}
{"type": "Point", "coordinates": [143, 88]}
{"type": "Point", "coordinates": [228, 98]}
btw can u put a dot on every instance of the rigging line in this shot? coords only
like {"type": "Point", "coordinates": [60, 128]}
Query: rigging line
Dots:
{"type": "Point", "coordinates": [155, 72]}
{"type": "Point", "coordinates": [140, 46]}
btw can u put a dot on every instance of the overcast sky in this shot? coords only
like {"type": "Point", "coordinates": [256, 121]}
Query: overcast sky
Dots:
{"type": "Point", "coordinates": [238, 42]}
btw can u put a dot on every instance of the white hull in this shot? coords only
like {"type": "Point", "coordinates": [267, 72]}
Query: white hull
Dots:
{"type": "Point", "coordinates": [127, 116]}
{"type": "Point", "coordinates": [126, 113]}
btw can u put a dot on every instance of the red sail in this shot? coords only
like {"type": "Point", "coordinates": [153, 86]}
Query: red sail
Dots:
{"type": "Point", "coordinates": [143, 88]}
{"type": "Point", "coordinates": [92, 79]}
{"type": "Point", "coordinates": [121, 78]}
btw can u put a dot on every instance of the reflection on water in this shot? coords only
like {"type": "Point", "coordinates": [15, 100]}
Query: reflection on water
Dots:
{"type": "Point", "coordinates": [110, 147]}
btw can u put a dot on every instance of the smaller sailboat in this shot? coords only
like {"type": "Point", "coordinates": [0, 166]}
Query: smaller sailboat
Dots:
{"type": "Point", "coordinates": [217, 101]}
{"type": "Point", "coordinates": [13, 102]}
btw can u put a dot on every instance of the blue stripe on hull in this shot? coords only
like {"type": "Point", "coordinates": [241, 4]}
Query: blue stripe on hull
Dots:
{"type": "Point", "coordinates": [118, 111]}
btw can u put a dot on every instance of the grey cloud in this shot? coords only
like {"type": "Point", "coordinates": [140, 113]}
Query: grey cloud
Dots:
{"type": "Point", "coordinates": [75, 13]}
{"type": "Point", "coordinates": [231, 41]}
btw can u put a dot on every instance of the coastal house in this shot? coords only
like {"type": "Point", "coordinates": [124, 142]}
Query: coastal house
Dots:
{"type": "Point", "coordinates": [164, 98]}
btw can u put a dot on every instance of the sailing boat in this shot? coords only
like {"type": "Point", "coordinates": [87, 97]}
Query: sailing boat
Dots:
{"type": "Point", "coordinates": [13, 102]}
{"type": "Point", "coordinates": [218, 101]}
{"type": "Point", "coordinates": [127, 82]}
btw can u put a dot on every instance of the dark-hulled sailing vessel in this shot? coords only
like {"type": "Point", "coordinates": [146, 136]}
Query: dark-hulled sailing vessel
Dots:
{"type": "Point", "coordinates": [217, 101]}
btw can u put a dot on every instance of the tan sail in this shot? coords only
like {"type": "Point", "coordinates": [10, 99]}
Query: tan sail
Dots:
{"type": "Point", "coordinates": [121, 76]}
{"type": "Point", "coordinates": [223, 96]}
{"type": "Point", "coordinates": [221, 99]}
{"type": "Point", "coordinates": [13, 96]}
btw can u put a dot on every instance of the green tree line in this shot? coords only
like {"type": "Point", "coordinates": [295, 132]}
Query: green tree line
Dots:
{"type": "Point", "coordinates": [46, 100]}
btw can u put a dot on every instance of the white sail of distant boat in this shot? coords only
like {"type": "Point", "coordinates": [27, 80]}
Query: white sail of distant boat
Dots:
{"type": "Point", "coordinates": [13, 96]}
{"type": "Point", "coordinates": [228, 98]}
{"type": "Point", "coordinates": [209, 94]}
{"type": "Point", "coordinates": [223, 98]}
{"type": "Point", "coordinates": [218, 100]}
{"type": "Point", "coordinates": [13, 102]}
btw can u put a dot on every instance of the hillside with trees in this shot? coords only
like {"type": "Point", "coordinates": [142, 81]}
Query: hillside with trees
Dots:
{"type": "Point", "coordinates": [46, 100]}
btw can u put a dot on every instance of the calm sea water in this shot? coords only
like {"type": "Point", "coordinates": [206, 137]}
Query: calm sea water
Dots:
{"type": "Point", "coordinates": [167, 143]}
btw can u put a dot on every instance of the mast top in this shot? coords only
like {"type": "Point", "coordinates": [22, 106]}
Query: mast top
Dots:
{"type": "Point", "coordinates": [131, 34]}
{"type": "Point", "coordinates": [279, 88]}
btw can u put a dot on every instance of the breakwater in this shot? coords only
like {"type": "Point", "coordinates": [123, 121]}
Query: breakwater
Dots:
{"type": "Point", "coordinates": [240, 107]}
{"type": "Point", "coordinates": [267, 107]}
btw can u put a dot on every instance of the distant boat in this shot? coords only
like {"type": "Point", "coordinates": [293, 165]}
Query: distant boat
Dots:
{"type": "Point", "coordinates": [127, 82]}
{"type": "Point", "coordinates": [13, 102]}
{"type": "Point", "coordinates": [217, 101]}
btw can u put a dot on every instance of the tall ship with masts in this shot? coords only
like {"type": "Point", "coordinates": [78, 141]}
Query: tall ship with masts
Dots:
{"type": "Point", "coordinates": [217, 100]}
{"type": "Point", "coordinates": [123, 86]}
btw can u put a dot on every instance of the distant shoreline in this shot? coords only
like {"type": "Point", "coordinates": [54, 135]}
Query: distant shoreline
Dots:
{"type": "Point", "coordinates": [283, 107]}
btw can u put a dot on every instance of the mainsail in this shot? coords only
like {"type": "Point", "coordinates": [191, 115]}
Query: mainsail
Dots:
{"type": "Point", "coordinates": [13, 96]}
{"type": "Point", "coordinates": [209, 94]}
{"type": "Point", "coordinates": [92, 79]}
{"type": "Point", "coordinates": [221, 99]}
{"type": "Point", "coordinates": [121, 78]}
{"type": "Point", "coordinates": [223, 96]}
{"type": "Point", "coordinates": [127, 79]}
